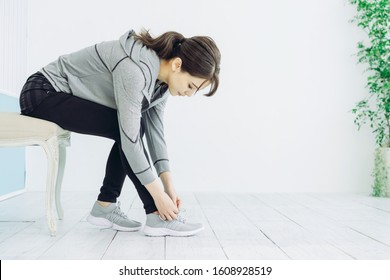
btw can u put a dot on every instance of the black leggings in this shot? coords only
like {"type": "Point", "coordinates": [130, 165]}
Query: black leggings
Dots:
{"type": "Point", "coordinates": [40, 100]}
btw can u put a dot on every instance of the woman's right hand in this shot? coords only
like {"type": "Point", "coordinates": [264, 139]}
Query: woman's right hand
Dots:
{"type": "Point", "coordinates": [165, 206]}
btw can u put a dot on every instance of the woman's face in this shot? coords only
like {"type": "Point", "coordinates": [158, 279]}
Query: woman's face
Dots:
{"type": "Point", "coordinates": [183, 84]}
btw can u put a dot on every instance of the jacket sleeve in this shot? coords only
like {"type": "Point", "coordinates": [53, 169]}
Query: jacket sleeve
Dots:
{"type": "Point", "coordinates": [154, 132]}
{"type": "Point", "coordinates": [128, 84]}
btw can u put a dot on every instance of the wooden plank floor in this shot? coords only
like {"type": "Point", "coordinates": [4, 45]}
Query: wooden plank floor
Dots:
{"type": "Point", "coordinates": [237, 226]}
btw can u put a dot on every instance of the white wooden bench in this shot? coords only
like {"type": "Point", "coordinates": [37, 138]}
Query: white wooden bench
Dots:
{"type": "Point", "coordinates": [17, 130]}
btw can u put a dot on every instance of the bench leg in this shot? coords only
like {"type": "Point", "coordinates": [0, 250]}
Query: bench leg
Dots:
{"type": "Point", "coordinates": [51, 148]}
{"type": "Point", "coordinates": [60, 176]}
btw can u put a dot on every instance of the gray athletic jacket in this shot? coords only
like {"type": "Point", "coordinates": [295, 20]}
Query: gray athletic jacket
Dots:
{"type": "Point", "coordinates": [122, 75]}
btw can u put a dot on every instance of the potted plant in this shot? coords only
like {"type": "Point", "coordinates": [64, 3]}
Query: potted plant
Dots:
{"type": "Point", "coordinates": [373, 16]}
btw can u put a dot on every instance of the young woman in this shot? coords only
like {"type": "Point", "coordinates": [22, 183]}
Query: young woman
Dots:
{"type": "Point", "coordinates": [118, 90]}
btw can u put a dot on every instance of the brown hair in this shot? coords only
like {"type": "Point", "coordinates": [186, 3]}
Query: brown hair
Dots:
{"type": "Point", "coordinates": [199, 54]}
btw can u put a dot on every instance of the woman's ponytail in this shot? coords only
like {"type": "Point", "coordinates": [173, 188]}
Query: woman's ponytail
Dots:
{"type": "Point", "coordinates": [165, 45]}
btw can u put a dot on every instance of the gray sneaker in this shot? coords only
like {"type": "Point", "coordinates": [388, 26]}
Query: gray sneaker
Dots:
{"type": "Point", "coordinates": [155, 226]}
{"type": "Point", "coordinates": [112, 217]}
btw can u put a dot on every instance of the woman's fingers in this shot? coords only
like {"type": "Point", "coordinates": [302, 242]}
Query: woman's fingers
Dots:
{"type": "Point", "coordinates": [167, 208]}
{"type": "Point", "coordinates": [178, 202]}
{"type": "Point", "coordinates": [168, 216]}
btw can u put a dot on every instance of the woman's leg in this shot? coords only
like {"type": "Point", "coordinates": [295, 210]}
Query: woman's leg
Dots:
{"type": "Point", "coordinates": [115, 176]}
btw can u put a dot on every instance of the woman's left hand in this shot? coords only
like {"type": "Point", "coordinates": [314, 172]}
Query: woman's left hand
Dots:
{"type": "Point", "coordinates": [175, 198]}
{"type": "Point", "coordinates": [169, 189]}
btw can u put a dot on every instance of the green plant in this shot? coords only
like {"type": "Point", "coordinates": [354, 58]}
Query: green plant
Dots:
{"type": "Point", "coordinates": [379, 187]}
{"type": "Point", "coordinates": [373, 16]}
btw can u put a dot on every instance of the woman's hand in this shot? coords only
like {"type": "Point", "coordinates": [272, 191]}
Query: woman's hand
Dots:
{"type": "Point", "coordinates": [164, 203]}
{"type": "Point", "coordinates": [167, 181]}
{"type": "Point", "coordinates": [165, 206]}
{"type": "Point", "coordinates": [175, 198]}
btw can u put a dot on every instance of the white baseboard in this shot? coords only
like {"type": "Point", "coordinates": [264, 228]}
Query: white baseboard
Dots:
{"type": "Point", "coordinates": [9, 195]}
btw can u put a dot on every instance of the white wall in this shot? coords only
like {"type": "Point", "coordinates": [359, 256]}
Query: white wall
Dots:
{"type": "Point", "coordinates": [281, 121]}
{"type": "Point", "coordinates": [13, 45]}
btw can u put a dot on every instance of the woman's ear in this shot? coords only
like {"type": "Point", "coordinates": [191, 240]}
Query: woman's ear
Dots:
{"type": "Point", "coordinates": [176, 64]}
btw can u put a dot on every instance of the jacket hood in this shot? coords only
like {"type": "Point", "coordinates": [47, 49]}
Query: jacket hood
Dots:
{"type": "Point", "coordinates": [143, 56]}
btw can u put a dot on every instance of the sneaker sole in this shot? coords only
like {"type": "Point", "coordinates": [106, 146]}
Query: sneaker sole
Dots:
{"type": "Point", "coordinates": [96, 221]}
{"type": "Point", "coordinates": [156, 232]}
